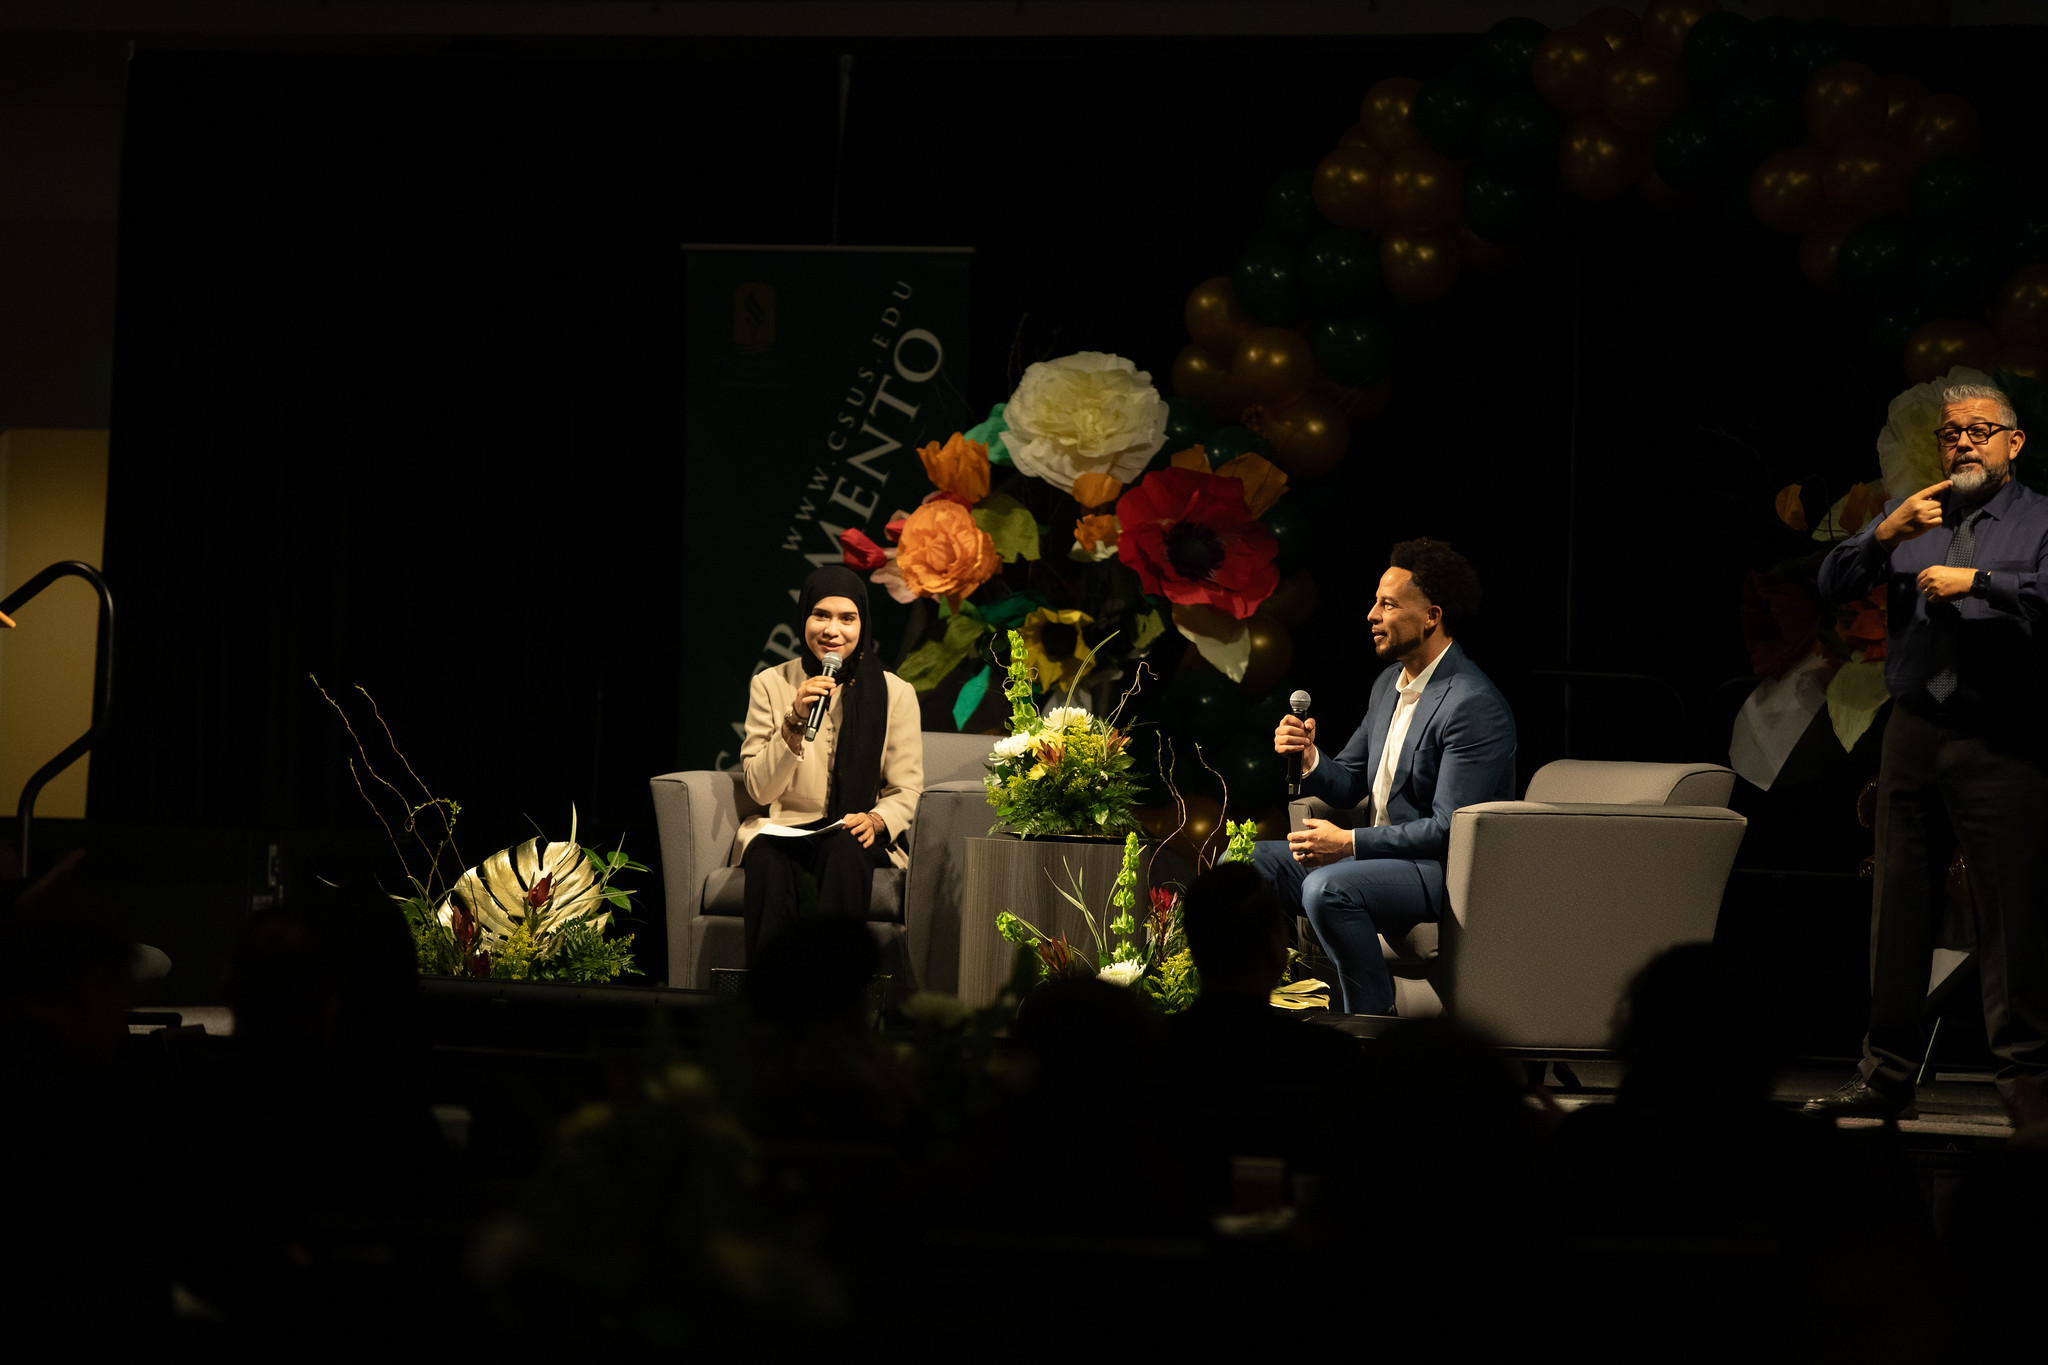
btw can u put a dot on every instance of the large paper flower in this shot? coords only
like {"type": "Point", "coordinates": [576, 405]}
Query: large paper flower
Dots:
{"type": "Point", "coordinates": [1905, 447]}
{"type": "Point", "coordinates": [1053, 644]}
{"type": "Point", "coordinates": [1081, 414]}
{"type": "Point", "coordinates": [943, 553]}
{"type": "Point", "coordinates": [959, 467]}
{"type": "Point", "coordinates": [1192, 540]}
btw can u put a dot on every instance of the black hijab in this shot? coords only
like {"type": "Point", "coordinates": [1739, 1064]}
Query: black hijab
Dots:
{"type": "Point", "coordinates": [863, 696]}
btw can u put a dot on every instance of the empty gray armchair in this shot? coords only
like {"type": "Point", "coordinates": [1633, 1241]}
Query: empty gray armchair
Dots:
{"type": "Point", "coordinates": [1556, 900]}
{"type": "Point", "coordinates": [914, 912]}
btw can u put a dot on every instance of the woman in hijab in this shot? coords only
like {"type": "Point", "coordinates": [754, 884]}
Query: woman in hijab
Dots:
{"type": "Point", "coordinates": [857, 783]}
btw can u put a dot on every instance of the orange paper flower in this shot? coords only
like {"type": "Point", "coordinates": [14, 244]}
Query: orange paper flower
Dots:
{"type": "Point", "coordinates": [1094, 490]}
{"type": "Point", "coordinates": [943, 553]}
{"type": "Point", "coordinates": [959, 467]}
{"type": "Point", "coordinates": [1263, 481]}
{"type": "Point", "coordinates": [1092, 533]}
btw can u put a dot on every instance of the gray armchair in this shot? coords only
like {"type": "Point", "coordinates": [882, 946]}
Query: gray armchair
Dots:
{"type": "Point", "coordinates": [1558, 899]}
{"type": "Point", "coordinates": [914, 913]}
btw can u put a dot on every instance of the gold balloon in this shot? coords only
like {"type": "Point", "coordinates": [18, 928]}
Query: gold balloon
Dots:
{"type": "Point", "coordinates": [1309, 436]}
{"type": "Point", "coordinates": [1294, 601]}
{"type": "Point", "coordinates": [1357, 135]}
{"type": "Point", "coordinates": [1818, 250]}
{"type": "Point", "coordinates": [1214, 320]}
{"type": "Point", "coordinates": [1902, 97]}
{"type": "Point", "coordinates": [1786, 192]}
{"type": "Point", "coordinates": [1864, 177]}
{"type": "Point", "coordinates": [1272, 654]}
{"type": "Point", "coordinates": [1201, 377]}
{"type": "Point", "coordinates": [1596, 161]}
{"type": "Point", "coordinates": [1666, 22]}
{"type": "Point", "coordinates": [2019, 311]}
{"type": "Point", "coordinates": [1385, 114]}
{"type": "Point", "coordinates": [1942, 126]}
{"type": "Point", "coordinates": [1568, 66]}
{"type": "Point", "coordinates": [1273, 366]}
{"type": "Point", "coordinates": [1420, 264]}
{"type": "Point", "coordinates": [1845, 100]}
{"type": "Point", "coordinates": [1619, 27]}
{"type": "Point", "coordinates": [1641, 88]}
{"type": "Point", "coordinates": [1421, 189]}
{"type": "Point", "coordinates": [1347, 187]}
{"type": "Point", "coordinates": [1201, 834]}
{"type": "Point", "coordinates": [1943, 344]}
{"type": "Point", "coordinates": [2028, 362]}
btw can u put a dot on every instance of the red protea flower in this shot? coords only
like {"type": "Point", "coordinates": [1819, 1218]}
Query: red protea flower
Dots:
{"type": "Point", "coordinates": [1192, 540]}
{"type": "Point", "coordinates": [1056, 953]}
{"type": "Point", "coordinates": [537, 895]}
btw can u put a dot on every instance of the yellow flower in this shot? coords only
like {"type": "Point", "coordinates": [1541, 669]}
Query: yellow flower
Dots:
{"type": "Point", "coordinates": [1053, 645]}
{"type": "Point", "coordinates": [959, 467]}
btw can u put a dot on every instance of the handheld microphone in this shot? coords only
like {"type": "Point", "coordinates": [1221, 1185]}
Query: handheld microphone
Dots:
{"type": "Point", "coordinates": [832, 662]}
{"type": "Point", "coordinates": [1298, 704]}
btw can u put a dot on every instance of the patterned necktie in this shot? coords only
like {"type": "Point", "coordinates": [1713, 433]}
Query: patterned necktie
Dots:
{"type": "Point", "coordinates": [1943, 618]}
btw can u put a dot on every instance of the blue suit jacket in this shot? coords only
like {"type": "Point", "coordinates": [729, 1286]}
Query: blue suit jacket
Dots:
{"type": "Point", "coordinates": [1460, 751]}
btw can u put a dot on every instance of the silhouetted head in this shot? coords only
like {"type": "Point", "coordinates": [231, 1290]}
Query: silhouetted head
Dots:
{"type": "Point", "coordinates": [1691, 1024]}
{"type": "Point", "coordinates": [1237, 930]}
{"type": "Point", "coordinates": [816, 970]}
{"type": "Point", "coordinates": [1083, 1032]}
{"type": "Point", "coordinates": [71, 964]}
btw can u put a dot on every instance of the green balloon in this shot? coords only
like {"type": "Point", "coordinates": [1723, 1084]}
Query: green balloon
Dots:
{"type": "Point", "coordinates": [1759, 114]}
{"type": "Point", "coordinates": [1339, 272]}
{"type": "Point", "coordinates": [1447, 110]}
{"type": "Point", "coordinates": [1689, 151]}
{"type": "Point", "coordinates": [1953, 191]}
{"type": "Point", "coordinates": [1501, 209]}
{"type": "Point", "coordinates": [1186, 425]}
{"type": "Point", "coordinates": [1956, 272]}
{"type": "Point", "coordinates": [1518, 136]}
{"type": "Point", "coordinates": [1255, 776]}
{"type": "Point", "coordinates": [2021, 230]}
{"type": "Point", "coordinates": [1356, 350]}
{"type": "Point", "coordinates": [1889, 328]}
{"type": "Point", "coordinates": [1875, 262]}
{"type": "Point", "coordinates": [1818, 42]}
{"type": "Point", "coordinates": [1289, 523]}
{"type": "Point", "coordinates": [1291, 210]}
{"type": "Point", "coordinates": [1507, 50]}
{"type": "Point", "coordinates": [1225, 444]}
{"type": "Point", "coordinates": [1264, 280]}
{"type": "Point", "coordinates": [1719, 48]}
{"type": "Point", "coordinates": [1204, 704]}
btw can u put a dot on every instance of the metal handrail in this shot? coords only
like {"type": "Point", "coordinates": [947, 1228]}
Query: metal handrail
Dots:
{"type": "Point", "coordinates": [102, 685]}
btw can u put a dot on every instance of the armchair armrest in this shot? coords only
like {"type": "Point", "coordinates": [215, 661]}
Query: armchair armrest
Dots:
{"type": "Point", "coordinates": [1314, 807]}
{"type": "Point", "coordinates": [698, 816]}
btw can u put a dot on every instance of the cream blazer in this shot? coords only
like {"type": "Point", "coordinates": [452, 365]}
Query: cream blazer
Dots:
{"type": "Point", "coordinates": [792, 786]}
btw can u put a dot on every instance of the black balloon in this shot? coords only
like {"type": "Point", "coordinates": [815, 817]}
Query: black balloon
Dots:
{"type": "Point", "coordinates": [1718, 49]}
{"type": "Point", "coordinates": [1263, 280]}
{"type": "Point", "coordinates": [1518, 136]}
{"type": "Point", "coordinates": [1501, 209]}
{"type": "Point", "coordinates": [1339, 272]}
{"type": "Point", "coordinates": [1759, 114]}
{"type": "Point", "coordinates": [1876, 261]}
{"type": "Point", "coordinates": [1354, 351]}
{"type": "Point", "coordinates": [1225, 444]}
{"type": "Point", "coordinates": [1289, 523]}
{"type": "Point", "coordinates": [1956, 272]}
{"type": "Point", "coordinates": [1689, 152]}
{"type": "Point", "coordinates": [1291, 210]}
{"type": "Point", "coordinates": [1253, 773]}
{"type": "Point", "coordinates": [1507, 50]}
{"type": "Point", "coordinates": [1954, 191]}
{"type": "Point", "coordinates": [1447, 111]}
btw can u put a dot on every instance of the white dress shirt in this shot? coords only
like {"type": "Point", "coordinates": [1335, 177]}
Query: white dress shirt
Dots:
{"type": "Point", "coordinates": [1397, 735]}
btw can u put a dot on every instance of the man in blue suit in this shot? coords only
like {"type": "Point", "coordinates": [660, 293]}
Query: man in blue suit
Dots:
{"type": "Point", "coordinates": [1437, 735]}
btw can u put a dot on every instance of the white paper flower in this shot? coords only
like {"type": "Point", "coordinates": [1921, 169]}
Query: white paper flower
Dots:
{"type": "Point", "coordinates": [1121, 973]}
{"type": "Point", "coordinates": [1012, 746]}
{"type": "Point", "coordinates": [1085, 413]}
{"type": "Point", "coordinates": [1060, 717]}
{"type": "Point", "coordinates": [1905, 447]}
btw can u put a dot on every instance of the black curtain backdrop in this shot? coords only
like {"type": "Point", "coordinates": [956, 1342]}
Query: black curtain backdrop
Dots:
{"type": "Point", "coordinates": [398, 388]}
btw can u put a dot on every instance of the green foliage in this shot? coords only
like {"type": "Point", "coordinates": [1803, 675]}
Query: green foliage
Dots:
{"type": "Point", "coordinates": [433, 946]}
{"type": "Point", "coordinates": [586, 957]}
{"type": "Point", "coordinates": [1175, 984]}
{"type": "Point", "coordinates": [1243, 834]}
{"type": "Point", "coordinates": [514, 961]}
{"type": "Point", "coordinates": [1066, 772]}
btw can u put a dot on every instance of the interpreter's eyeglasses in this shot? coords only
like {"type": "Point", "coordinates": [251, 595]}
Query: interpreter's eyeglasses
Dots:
{"type": "Point", "coordinates": [1980, 432]}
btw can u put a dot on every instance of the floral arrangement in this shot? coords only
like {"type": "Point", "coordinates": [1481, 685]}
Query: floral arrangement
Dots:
{"type": "Point", "coordinates": [1060, 771]}
{"type": "Point", "coordinates": [1810, 655]}
{"type": "Point", "coordinates": [1183, 545]}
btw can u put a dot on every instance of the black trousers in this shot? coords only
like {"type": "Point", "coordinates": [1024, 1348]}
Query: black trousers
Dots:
{"type": "Point", "coordinates": [843, 871]}
{"type": "Point", "coordinates": [1941, 786]}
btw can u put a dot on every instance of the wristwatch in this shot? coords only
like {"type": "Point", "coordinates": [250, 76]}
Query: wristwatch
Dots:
{"type": "Point", "coordinates": [1981, 584]}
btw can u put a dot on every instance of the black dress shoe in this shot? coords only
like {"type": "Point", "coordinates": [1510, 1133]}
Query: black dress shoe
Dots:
{"type": "Point", "coordinates": [1859, 1099]}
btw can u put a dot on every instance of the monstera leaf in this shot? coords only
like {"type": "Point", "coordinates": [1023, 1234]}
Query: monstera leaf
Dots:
{"type": "Point", "coordinates": [546, 887]}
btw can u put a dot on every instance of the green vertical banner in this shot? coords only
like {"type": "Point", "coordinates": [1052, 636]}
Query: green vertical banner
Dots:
{"type": "Point", "coordinates": [814, 375]}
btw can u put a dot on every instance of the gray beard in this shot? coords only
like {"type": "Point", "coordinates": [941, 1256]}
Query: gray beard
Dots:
{"type": "Point", "coordinates": [1975, 484]}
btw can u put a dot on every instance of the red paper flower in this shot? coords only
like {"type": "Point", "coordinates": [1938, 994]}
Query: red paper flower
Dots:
{"type": "Point", "coordinates": [861, 554]}
{"type": "Point", "coordinates": [1192, 540]}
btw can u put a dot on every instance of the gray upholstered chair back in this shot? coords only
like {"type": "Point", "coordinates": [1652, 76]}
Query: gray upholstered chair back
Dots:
{"type": "Point", "coordinates": [1574, 781]}
{"type": "Point", "coordinates": [954, 758]}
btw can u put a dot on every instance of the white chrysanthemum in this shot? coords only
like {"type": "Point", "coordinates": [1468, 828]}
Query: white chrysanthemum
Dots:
{"type": "Point", "coordinates": [1060, 717]}
{"type": "Point", "coordinates": [1084, 413]}
{"type": "Point", "coordinates": [1905, 447]}
{"type": "Point", "coordinates": [1012, 746]}
{"type": "Point", "coordinates": [1121, 973]}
